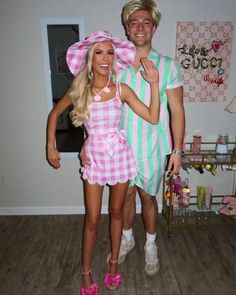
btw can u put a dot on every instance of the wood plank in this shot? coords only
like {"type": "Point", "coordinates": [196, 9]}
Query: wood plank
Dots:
{"type": "Point", "coordinates": [41, 255]}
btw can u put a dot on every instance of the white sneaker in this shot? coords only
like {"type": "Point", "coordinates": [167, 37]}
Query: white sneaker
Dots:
{"type": "Point", "coordinates": [125, 247]}
{"type": "Point", "coordinates": [152, 262]}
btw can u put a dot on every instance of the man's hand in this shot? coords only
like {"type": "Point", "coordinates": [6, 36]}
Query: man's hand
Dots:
{"type": "Point", "coordinates": [174, 165]}
{"type": "Point", "coordinates": [84, 160]}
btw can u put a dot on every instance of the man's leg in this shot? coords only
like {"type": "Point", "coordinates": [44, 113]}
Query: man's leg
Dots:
{"type": "Point", "coordinates": [149, 211]}
{"type": "Point", "coordinates": [149, 214]}
{"type": "Point", "coordinates": [127, 240]}
{"type": "Point", "coordinates": [129, 208]}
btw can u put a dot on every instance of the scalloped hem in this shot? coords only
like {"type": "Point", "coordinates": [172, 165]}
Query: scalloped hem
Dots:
{"type": "Point", "coordinates": [109, 182]}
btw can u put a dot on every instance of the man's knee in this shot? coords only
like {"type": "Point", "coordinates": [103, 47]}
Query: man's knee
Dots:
{"type": "Point", "coordinates": [147, 200]}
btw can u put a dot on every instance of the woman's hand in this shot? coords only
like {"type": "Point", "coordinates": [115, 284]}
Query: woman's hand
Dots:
{"type": "Point", "coordinates": [53, 157]}
{"type": "Point", "coordinates": [150, 73]}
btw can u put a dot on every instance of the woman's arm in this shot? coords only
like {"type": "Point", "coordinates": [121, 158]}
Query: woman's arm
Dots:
{"type": "Point", "coordinates": [53, 156]}
{"type": "Point", "coordinates": [128, 96]}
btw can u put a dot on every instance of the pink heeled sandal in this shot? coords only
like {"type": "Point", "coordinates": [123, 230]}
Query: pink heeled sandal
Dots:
{"type": "Point", "coordinates": [92, 290]}
{"type": "Point", "coordinates": [112, 281]}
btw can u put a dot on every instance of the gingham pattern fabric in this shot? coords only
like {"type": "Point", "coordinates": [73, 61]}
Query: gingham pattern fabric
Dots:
{"type": "Point", "coordinates": [110, 156]}
{"type": "Point", "coordinates": [76, 54]}
{"type": "Point", "coordinates": [150, 143]}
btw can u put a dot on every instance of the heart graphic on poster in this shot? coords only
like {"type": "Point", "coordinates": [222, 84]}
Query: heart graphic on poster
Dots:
{"type": "Point", "coordinates": [216, 45]}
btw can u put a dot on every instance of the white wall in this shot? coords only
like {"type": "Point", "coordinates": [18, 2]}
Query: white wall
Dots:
{"type": "Point", "coordinates": [27, 183]}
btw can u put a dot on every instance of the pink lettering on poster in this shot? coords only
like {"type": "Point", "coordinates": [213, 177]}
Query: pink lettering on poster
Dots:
{"type": "Point", "coordinates": [203, 51]}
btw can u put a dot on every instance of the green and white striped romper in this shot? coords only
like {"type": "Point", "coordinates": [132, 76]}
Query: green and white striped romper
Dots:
{"type": "Point", "coordinates": [150, 143]}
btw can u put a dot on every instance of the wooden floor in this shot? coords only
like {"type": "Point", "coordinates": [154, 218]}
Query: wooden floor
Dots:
{"type": "Point", "coordinates": [42, 254]}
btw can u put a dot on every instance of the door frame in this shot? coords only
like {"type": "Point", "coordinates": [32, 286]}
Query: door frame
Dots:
{"type": "Point", "coordinates": [46, 58]}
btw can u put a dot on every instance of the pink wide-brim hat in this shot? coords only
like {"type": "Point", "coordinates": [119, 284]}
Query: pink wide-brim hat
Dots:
{"type": "Point", "coordinates": [76, 54]}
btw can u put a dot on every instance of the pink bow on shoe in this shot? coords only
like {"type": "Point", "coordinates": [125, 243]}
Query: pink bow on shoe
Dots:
{"type": "Point", "coordinates": [92, 290]}
{"type": "Point", "coordinates": [112, 282]}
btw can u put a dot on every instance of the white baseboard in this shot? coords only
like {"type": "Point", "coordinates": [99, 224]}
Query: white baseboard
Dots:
{"type": "Point", "coordinates": [5, 211]}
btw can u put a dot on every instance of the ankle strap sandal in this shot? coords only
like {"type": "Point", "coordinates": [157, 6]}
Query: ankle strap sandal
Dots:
{"type": "Point", "coordinates": [109, 259]}
{"type": "Point", "coordinates": [91, 290]}
{"type": "Point", "coordinates": [85, 272]}
{"type": "Point", "coordinates": [112, 281]}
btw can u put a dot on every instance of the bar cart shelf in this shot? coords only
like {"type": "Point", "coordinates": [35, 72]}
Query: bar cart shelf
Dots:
{"type": "Point", "coordinates": [191, 216]}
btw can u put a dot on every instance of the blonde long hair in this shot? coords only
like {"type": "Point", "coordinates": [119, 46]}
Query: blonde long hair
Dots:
{"type": "Point", "coordinates": [81, 91]}
{"type": "Point", "coordinates": [134, 5]}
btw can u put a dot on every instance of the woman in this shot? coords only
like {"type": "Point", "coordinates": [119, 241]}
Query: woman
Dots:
{"type": "Point", "coordinates": [97, 101]}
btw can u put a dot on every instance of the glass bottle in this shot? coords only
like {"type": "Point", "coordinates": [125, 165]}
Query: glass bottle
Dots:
{"type": "Point", "coordinates": [186, 193]}
{"type": "Point", "coordinates": [222, 143]}
{"type": "Point", "coordinates": [197, 140]}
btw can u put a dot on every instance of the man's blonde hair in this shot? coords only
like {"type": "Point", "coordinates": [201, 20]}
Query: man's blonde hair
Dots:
{"type": "Point", "coordinates": [150, 5]}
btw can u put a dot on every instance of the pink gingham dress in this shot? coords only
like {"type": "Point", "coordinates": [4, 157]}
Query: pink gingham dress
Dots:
{"type": "Point", "coordinates": [110, 156]}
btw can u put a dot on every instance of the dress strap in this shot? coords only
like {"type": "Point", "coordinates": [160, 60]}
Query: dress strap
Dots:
{"type": "Point", "coordinates": [118, 89]}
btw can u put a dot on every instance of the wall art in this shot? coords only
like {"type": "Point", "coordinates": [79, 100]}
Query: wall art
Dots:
{"type": "Point", "coordinates": [203, 51]}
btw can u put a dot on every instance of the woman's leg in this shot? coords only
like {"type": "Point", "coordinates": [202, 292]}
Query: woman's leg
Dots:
{"type": "Point", "coordinates": [116, 206]}
{"type": "Point", "coordinates": [93, 203]}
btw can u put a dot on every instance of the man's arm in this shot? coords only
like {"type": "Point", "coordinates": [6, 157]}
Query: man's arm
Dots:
{"type": "Point", "coordinates": [175, 100]}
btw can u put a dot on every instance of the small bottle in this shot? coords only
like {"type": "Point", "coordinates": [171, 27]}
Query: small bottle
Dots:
{"type": "Point", "coordinates": [197, 140]}
{"type": "Point", "coordinates": [186, 193]}
{"type": "Point", "coordinates": [222, 143]}
{"type": "Point", "coordinates": [167, 198]}
{"type": "Point", "coordinates": [176, 201]}
{"type": "Point", "coordinates": [177, 190]}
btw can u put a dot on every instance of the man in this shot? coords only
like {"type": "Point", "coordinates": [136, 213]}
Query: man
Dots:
{"type": "Point", "coordinates": [150, 144]}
